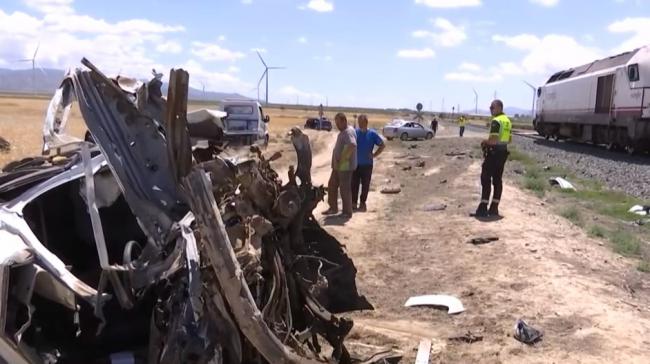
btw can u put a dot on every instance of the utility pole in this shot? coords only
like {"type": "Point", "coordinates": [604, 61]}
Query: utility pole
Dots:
{"type": "Point", "coordinates": [475, 101]}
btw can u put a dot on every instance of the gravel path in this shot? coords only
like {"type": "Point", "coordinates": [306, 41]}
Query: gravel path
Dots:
{"type": "Point", "coordinates": [619, 171]}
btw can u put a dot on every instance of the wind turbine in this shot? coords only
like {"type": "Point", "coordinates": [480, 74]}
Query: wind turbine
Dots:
{"type": "Point", "coordinates": [33, 61]}
{"type": "Point", "coordinates": [475, 101]}
{"type": "Point", "coordinates": [266, 74]}
{"type": "Point", "coordinates": [532, 109]}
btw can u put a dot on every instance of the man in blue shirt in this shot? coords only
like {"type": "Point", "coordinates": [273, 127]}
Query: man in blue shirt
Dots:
{"type": "Point", "coordinates": [367, 139]}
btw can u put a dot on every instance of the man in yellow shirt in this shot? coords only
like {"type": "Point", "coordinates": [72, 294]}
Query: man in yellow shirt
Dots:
{"type": "Point", "coordinates": [461, 123]}
{"type": "Point", "coordinates": [496, 154]}
{"type": "Point", "coordinates": [344, 162]}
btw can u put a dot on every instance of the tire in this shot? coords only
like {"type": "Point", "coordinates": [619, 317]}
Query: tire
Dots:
{"type": "Point", "coordinates": [429, 136]}
{"type": "Point", "coordinates": [404, 137]}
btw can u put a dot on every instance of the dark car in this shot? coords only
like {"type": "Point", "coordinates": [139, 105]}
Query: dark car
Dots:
{"type": "Point", "coordinates": [318, 124]}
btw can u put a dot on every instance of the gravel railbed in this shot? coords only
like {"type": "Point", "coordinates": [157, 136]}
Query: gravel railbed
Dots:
{"type": "Point", "coordinates": [618, 171]}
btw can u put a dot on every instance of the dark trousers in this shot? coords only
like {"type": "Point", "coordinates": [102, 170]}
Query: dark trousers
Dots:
{"type": "Point", "coordinates": [361, 176]}
{"type": "Point", "coordinates": [462, 131]}
{"type": "Point", "coordinates": [492, 174]}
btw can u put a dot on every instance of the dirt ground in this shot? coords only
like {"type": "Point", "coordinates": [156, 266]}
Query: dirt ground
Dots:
{"type": "Point", "coordinates": [591, 304]}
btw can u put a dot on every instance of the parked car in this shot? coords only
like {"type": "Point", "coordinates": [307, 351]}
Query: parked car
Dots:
{"type": "Point", "coordinates": [406, 130]}
{"type": "Point", "coordinates": [318, 124]}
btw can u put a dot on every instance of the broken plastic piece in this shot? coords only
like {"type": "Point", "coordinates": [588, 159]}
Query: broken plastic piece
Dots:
{"type": "Point", "coordinates": [526, 333]}
{"type": "Point", "coordinates": [424, 349]}
{"type": "Point", "coordinates": [559, 181]}
{"type": "Point", "coordinates": [394, 189]}
{"type": "Point", "coordinates": [452, 303]}
{"type": "Point", "coordinates": [640, 210]}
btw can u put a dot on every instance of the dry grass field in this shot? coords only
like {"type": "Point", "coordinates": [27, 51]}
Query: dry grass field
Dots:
{"type": "Point", "coordinates": [21, 122]}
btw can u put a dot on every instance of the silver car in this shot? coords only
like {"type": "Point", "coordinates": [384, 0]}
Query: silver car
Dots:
{"type": "Point", "coordinates": [406, 130]}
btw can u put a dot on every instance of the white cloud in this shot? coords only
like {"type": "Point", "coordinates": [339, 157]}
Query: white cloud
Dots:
{"type": "Point", "coordinates": [213, 80]}
{"type": "Point", "coordinates": [550, 53]}
{"type": "Point", "coordinates": [246, 2]}
{"type": "Point", "coordinates": [448, 35]}
{"type": "Point", "coordinates": [50, 6]}
{"type": "Point", "coordinates": [221, 38]}
{"type": "Point", "coordinates": [448, 3]}
{"type": "Point", "coordinates": [416, 53]}
{"type": "Point", "coordinates": [547, 3]}
{"type": "Point", "coordinates": [521, 41]}
{"type": "Point", "coordinates": [293, 91]}
{"type": "Point", "coordinates": [233, 69]}
{"type": "Point", "coordinates": [66, 36]}
{"type": "Point", "coordinates": [639, 27]}
{"type": "Point", "coordinates": [471, 67]}
{"type": "Point", "coordinates": [260, 50]}
{"type": "Point", "coordinates": [472, 72]}
{"type": "Point", "coordinates": [170, 46]}
{"type": "Point", "coordinates": [321, 6]}
{"type": "Point", "coordinates": [214, 52]}
{"type": "Point", "coordinates": [302, 40]}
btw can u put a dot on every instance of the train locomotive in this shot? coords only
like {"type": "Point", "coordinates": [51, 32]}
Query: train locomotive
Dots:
{"type": "Point", "coordinates": [604, 102]}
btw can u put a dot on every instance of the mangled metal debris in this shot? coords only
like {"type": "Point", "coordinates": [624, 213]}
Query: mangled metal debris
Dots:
{"type": "Point", "coordinates": [640, 210]}
{"type": "Point", "coordinates": [562, 183]}
{"type": "Point", "coordinates": [452, 303]}
{"type": "Point", "coordinates": [129, 246]}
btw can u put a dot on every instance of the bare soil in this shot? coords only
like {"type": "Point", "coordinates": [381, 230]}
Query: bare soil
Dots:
{"type": "Point", "coordinates": [591, 304]}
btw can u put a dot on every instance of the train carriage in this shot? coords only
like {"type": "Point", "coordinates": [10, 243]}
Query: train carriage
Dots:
{"type": "Point", "coordinates": [603, 102]}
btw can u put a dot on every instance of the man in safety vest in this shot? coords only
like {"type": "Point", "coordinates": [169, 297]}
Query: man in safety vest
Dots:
{"type": "Point", "coordinates": [495, 149]}
{"type": "Point", "coordinates": [461, 125]}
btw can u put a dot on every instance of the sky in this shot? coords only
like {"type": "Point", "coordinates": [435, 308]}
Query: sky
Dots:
{"type": "Point", "coordinates": [366, 53]}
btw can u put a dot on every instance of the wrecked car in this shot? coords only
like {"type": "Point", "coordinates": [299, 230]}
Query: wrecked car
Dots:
{"type": "Point", "coordinates": [127, 248]}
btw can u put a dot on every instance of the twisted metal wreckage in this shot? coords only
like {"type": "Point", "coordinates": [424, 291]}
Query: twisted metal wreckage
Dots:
{"type": "Point", "coordinates": [125, 248]}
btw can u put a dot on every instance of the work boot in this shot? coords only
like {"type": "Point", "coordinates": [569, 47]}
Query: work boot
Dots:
{"type": "Point", "coordinates": [362, 207]}
{"type": "Point", "coordinates": [494, 209]}
{"type": "Point", "coordinates": [481, 210]}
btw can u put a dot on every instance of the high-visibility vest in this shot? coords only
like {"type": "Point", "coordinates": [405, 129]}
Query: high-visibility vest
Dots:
{"type": "Point", "coordinates": [505, 129]}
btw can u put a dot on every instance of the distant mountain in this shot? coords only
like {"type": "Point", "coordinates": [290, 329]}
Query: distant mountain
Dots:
{"type": "Point", "coordinates": [48, 80]}
{"type": "Point", "coordinates": [23, 81]}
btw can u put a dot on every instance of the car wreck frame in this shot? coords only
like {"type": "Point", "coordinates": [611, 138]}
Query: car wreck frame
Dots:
{"type": "Point", "coordinates": [196, 260]}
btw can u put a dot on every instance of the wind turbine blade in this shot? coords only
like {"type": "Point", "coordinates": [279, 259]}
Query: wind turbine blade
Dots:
{"type": "Point", "coordinates": [261, 59]}
{"type": "Point", "coordinates": [42, 71]}
{"type": "Point", "coordinates": [23, 60]}
{"type": "Point", "coordinates": [529, 85]}
{"type": "Point", "coordinates": [36, 51]}
{"type": "Point", "coordinates": [277, 68]}
{"type": "Point", "coordinates": [261, 78]}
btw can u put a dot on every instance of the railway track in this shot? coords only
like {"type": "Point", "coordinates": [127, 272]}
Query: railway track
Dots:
{"type": "Point", "coordinates": [616, 170]}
